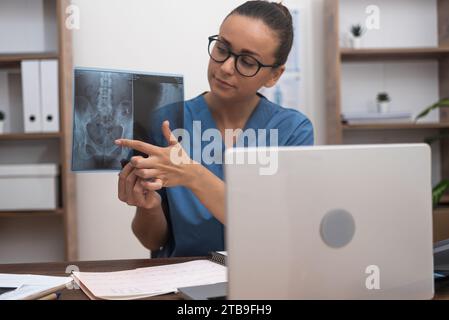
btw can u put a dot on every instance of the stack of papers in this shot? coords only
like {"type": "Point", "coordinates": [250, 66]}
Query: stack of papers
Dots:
{"type": "Point", "coordinates": [146, 282]}
{"type": "Point", "coordinates": [29, 287]}
{"type": "Point", "coordinates": [365, 118]}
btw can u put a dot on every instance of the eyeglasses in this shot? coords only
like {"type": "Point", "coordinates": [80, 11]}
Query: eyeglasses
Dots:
{"type": "Point", "coordinates": [245, 64]}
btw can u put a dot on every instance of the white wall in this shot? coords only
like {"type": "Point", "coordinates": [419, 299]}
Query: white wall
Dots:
{"type": "Point", "coordinates": [167, 36]}
{"type": "Point", "coordinates": [403, 23]}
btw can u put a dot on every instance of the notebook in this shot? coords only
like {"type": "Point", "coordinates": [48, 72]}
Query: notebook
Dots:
{"type": "Point", "coordinates": [151, 281]}
{"type": "Point", "coordinates": [30, 287]}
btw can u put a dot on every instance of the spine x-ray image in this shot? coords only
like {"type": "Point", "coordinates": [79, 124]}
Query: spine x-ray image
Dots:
{"type": "Point", "coordinates": [111, 105]}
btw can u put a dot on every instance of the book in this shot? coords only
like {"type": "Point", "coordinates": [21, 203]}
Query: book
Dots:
{"type": "Point", "coordinates": [30, 287]}
{"type": "Point", "coordinates": [142, 283]}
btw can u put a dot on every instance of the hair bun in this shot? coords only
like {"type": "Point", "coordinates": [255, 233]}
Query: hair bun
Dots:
{"type": "Point", "coordinates": [284, 10]}
{"type": "Point", "coordinates": [277, 17]}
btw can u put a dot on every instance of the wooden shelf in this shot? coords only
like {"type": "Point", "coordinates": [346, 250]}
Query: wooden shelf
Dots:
{"type": "Point", "coordinates": [441, 223]}
{"type": "Point", "coordinates": [29, 136]}
{"type": "Point", "coordinates": [442, 210]}
{"type": "Point", "coordinates": [17, 57]}
{"type": "Point", "coordinates": [337, 60]}
{"type": "Point", "coordinates": [395, 126]}
{"type": "Point", "coordinates": [27, 213]}
{"type": "Point", "coordinates": [13, 60]}
{"type": "Point", "coordinates": [445, 199]}
{"type": "Point", "coordinates": [393, 54]}
{"type": "Point", "coordinates": [62, 52]}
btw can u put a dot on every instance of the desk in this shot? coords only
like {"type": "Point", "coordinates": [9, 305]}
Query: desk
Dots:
{"type": "Point", "coordinates": [59, 268]}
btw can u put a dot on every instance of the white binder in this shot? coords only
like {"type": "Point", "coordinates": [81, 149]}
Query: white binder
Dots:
{"type": "Point", "coordinates": [31, 96]}
{"type": "Point", "coordinates": [49, 95]}
{"type": "Point", "coordinates": [4, 99]}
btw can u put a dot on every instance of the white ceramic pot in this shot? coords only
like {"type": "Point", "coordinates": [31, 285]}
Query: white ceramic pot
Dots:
{"type": "Point", "coordinates": [383, 107]}
{"type": "Point", "coordinates": [356, 42]}
{"type": "Point", "coordinates": [2, 126]}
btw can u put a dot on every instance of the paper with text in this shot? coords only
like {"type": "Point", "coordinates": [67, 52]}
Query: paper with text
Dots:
{"type": "Point", "coordinates": [151, 281]}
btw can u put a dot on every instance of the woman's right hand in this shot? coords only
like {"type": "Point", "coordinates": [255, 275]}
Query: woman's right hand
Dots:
{"type": "Point", "coordinates": [131, 191]}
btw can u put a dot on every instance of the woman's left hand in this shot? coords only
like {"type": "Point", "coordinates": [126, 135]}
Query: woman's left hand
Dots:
{"type": "Point", "coordinates": [171, 164]}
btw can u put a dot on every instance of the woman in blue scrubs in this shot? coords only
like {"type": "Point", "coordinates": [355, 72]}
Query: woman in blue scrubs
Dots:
{"type": "Point", "coordinates": [181, 203]}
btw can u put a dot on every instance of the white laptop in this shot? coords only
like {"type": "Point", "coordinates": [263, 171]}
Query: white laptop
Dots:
{"type": "Point", "coordinates": [333, 222]}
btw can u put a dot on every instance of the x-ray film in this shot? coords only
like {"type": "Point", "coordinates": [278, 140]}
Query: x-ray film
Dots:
{"type": "Point", "coordinates": [110, 105]}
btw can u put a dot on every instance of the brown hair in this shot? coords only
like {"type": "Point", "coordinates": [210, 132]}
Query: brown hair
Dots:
{"type": "Point", "coordinates": [277, 17]}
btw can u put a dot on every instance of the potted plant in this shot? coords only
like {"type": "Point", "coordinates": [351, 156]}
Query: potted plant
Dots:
{"type": "Point", "coordinates": [356, 32]}
{"type": "Point", "coordinates": [2, 121]}
{"type": "Point", "coordinates": [383, 102]}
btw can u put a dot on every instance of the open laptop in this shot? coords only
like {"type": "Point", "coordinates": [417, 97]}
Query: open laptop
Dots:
{"type": "Point", "coordinates": [330, 222]}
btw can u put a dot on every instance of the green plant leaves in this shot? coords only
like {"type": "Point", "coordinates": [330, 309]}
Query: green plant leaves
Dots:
{"type": "Point", "coordinates": [383, 97]}
{"type": "Point", "coordinates": [443, 103]}
{"type": "Point", "coordinates": [438, 191]}
{"type": "Point", "coordinates": [357, 30]}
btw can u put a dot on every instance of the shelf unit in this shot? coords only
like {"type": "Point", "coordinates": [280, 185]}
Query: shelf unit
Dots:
{"type": "Point", "coordinates": [335, 57]}
{"type": "Point", "coordinates": [37, 213]}
{"type": "Point", "coordinates": [17, 57]}
{"type": "Point", "coordinates": [395, 126]}
{"type": "Point", "coordinates": [29, 136]}
{"type": "Point", "coordinates": [348, 54]}
{"type": "Point", "coordinates": [440, 223]}
{"type": "Point", "coordinates": [67, 211]}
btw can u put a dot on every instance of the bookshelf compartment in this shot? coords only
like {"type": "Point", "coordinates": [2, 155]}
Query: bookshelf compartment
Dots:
{"type": "Point", "coordinates": [38, 235]}
{"type": "Point", "coordinates": [45, 232]}
{"type": "Point", "coordinates": [36, 19]}
{"type": "Point", "coordinates": [411, 85]}
{"type": "Point", "coordinates": [402, 23]}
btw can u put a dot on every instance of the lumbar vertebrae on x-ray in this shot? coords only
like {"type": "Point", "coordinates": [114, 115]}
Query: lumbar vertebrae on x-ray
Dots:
{"type": "Point", "coordinates": [104, 124]}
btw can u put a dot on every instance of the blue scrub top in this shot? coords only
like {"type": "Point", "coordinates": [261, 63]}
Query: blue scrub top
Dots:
{"type": "Point", "coordinates": [193, 229]}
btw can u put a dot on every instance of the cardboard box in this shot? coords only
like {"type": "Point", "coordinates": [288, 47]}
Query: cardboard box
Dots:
{"type": "Point", "coordinates": [28, 187]}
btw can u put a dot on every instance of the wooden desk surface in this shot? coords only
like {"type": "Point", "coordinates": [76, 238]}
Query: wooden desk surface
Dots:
{"type": "Point", "coordinates": [59, 269]}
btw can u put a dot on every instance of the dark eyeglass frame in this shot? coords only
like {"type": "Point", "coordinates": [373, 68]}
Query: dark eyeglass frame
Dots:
{"type": "Point", "coordinates": [236, 56]}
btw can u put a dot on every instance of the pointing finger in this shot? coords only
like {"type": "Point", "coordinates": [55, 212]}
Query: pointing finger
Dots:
{"type": "Point", "coordinates": [138, 145]}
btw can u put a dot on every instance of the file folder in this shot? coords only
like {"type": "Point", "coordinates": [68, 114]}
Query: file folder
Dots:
{"type": "Point", "coordinates": [31, 96]}
{"type": "Point", "coordinates": [49, 95]}
{"type": "Point", "coordinates": [4, 98]}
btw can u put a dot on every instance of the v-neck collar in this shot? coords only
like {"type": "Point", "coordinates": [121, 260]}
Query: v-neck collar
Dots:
{"type": "Point", "coordinates": [257, 120]}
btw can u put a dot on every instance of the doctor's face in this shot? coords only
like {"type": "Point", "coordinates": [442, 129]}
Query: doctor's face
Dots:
{"type": "Point", "coordinates": [242, 36]}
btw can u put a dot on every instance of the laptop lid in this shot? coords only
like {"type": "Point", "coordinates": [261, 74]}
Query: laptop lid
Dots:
{"type": "Point", "coordinates": [332, 222]}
